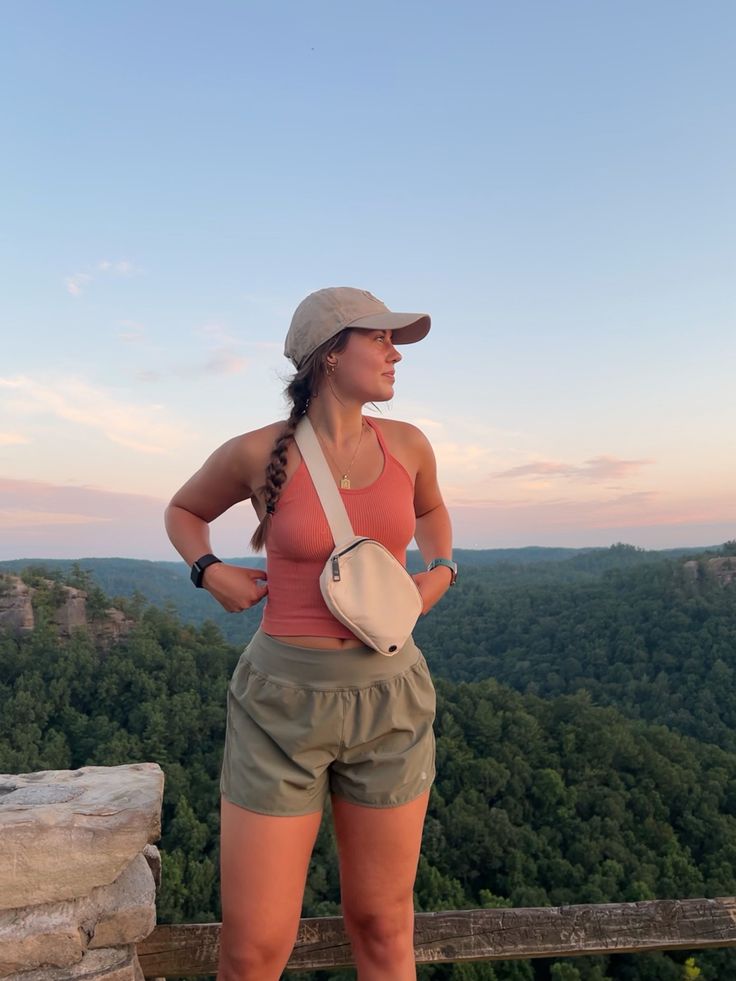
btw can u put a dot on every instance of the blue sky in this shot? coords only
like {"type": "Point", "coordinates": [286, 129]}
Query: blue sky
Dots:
{"type": "Point", "coordinates": [553, 182]}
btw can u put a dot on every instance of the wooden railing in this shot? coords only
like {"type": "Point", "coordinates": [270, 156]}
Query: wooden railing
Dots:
{"type": "Point", "coordinates": [477, 935]}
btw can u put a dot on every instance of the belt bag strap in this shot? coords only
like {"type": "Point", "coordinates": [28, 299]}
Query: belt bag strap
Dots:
{"type": "Point", "coordinates": [363, 584]}
{"type": "Point", "coordinates": [329, 495]}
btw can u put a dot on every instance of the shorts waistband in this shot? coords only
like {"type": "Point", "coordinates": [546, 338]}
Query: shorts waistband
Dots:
{"type": "Point", "coordinates": [326, 668]}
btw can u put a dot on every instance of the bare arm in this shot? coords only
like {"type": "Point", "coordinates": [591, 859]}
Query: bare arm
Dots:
{"type": "Point", "coordinates": [433, 532]}
{"type": "Point", "coordinates": [222, 481]}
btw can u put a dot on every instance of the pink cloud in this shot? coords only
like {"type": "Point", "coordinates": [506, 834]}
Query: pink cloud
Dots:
{"type": "Point", "coordinates": [137, 427]}
{"type": "Point", "coordinates": [225, 362]}
{"type": "Point", "coordinates": [44, 520]}
{"type": "Point", "coordinates": [13, 439]}
{"type": "Point", "coordinates": [600, 468]}
{"type": "Point", "coordinates": [650, 518]}
{"type": "Point", "coordinates": [40, 519]}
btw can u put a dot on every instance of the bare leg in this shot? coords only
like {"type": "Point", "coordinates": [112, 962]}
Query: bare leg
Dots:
{"type": "Point", "coordinates": [263, 870]}
{"type": "Point", "coordinates": [379, 853]}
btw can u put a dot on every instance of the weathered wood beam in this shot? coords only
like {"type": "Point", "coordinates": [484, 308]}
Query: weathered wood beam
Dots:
{"type": "Point", "coordinates": [477, 935]}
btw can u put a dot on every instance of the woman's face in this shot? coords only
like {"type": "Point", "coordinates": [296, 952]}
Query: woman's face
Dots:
{"type": "Point", "coordinates": [366, 367]}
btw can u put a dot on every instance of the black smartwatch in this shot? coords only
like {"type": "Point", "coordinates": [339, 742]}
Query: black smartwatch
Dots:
{"type": "Point", "coordinates": [199, 566]}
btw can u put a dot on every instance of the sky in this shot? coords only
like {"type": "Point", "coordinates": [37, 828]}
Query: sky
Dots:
{"type": "Point", "coordinates": [552, 182]}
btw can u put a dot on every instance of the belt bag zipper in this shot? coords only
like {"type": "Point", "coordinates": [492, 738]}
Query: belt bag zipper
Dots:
{"type": "Point", "coordinates": [336, 558]}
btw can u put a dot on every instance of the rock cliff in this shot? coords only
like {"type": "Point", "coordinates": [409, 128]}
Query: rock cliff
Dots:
{"type": "Point", "coordinates": [70, 611]}
{"type": "Point", "coordinates": [16, 609]}
{"type": "Point", "coordinates": [723, 568]}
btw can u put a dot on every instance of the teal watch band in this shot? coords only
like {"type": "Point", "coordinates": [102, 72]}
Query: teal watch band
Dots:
{"type": "Point", "coordinates": [449, 563]}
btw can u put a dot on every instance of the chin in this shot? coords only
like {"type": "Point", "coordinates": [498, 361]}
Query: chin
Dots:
{"type": "Point", "coordinates": [384, 393]}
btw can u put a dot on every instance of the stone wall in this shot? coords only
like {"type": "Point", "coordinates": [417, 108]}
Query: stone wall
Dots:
{"type": "Point", "coordinates": [78, 871]}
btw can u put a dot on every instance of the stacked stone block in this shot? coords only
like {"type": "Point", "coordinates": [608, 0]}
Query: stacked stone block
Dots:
{"type": "Point", "coordinates": [78, 871]}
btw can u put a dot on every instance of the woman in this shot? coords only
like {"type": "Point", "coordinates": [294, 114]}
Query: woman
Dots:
{"type": "Point", "coordinates": [311, 709]}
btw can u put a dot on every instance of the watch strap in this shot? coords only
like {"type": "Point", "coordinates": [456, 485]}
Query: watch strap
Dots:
{"type": "Point", "coordinates": [200, 565]}
{"type": "Point", "coordinates": [449, 563]}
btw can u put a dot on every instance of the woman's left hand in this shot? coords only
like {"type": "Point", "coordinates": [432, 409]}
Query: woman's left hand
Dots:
{"type": "Point", "coordinates": [432, 586]}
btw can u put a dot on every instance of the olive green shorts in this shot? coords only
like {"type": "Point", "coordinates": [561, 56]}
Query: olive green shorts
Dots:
{"type": "Point", "coordinates": [304, 722]}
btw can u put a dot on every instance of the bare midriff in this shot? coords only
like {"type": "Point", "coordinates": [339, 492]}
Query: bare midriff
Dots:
{"type": "Point", "coordinates": [326, 643]}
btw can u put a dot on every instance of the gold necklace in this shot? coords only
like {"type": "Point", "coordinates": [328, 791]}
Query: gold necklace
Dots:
{"type": "Point", "coordinates": [345, 479]}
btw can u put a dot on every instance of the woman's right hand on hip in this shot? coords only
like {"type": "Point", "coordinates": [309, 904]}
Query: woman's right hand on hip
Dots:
{"type": "Point", "coordinates": [235, 587]}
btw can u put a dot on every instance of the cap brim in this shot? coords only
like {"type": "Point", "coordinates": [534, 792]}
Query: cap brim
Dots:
{"type": "Point", "coordinates": [409, 327]}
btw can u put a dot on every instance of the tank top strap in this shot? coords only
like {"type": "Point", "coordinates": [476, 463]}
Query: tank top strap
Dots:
{"type": "Point", "coordinates": [377, 430]}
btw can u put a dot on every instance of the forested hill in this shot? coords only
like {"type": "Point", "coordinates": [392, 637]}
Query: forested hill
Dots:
{"type": "Point", "coordinates": [652, 634]}
{"type": "Point", "coordinates": [537, 801]}
{"type": "Point", "coordinates": [166, 584]}
{"type": "Point", "coordinates": [657, 641]}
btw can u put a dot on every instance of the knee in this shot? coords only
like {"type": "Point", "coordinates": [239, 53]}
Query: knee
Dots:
{"type": "Point", "coordinates": [251, 959]}
{"type": "Point", "coordinates": [384, 933]}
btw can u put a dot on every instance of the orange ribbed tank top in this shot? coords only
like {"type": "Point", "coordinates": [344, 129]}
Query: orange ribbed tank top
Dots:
{"type": "Point", "coordinates": [299, 543]}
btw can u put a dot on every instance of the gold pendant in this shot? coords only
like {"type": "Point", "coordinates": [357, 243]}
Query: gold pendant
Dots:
{"type": "Point", "coordinates": [345, 483]}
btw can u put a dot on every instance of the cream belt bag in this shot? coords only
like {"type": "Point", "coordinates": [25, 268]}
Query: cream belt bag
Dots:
{"type": "Point", "coordinates": [362, 583]}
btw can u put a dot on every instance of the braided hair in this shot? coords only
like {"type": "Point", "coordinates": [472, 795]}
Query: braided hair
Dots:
{"type": "Point", "coordinates": [304, 386]}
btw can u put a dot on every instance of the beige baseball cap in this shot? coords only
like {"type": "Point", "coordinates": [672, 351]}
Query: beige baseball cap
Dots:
{"type": "Point", "coordinates": [324, 313]}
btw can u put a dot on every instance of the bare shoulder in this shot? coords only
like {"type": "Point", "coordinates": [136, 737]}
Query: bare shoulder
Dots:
{"type": "Point", "coordinates": [406, 433]}
{"type": "Point", "coordinates": [254, 447]}
{"type": "Point", "coordinates": [408, 443]}
{"type": "Point", "coordinates": [232, 473]}
{"type": "Point", "coordinates": [265, 435]}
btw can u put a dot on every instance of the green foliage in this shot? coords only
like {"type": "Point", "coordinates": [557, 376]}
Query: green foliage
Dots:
{"type": "Point", "coordinates": [160, 696]}
{"type": "Point", "coordinates": [651, 640]}
{"type": "Point", "coordinates": [690, 969]}
{"type": "Point", "coordinates": [557, 783]}
{"type": "Point", "coordinates": [564, 971]}
{"type": "Point", "coordinates": [484, 571]}
{"type": "Point", "coordinates": [80, 578]}
{"type": "Point", "coordinates": [97, 603]}
{"type": "Point", "coordinates": [35, 574]}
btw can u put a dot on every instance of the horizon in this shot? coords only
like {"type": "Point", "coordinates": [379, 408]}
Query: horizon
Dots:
{"type": "Point", "coordinates": [256, 557]}
{"type": "Point", "coordinates": [566, 224]}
